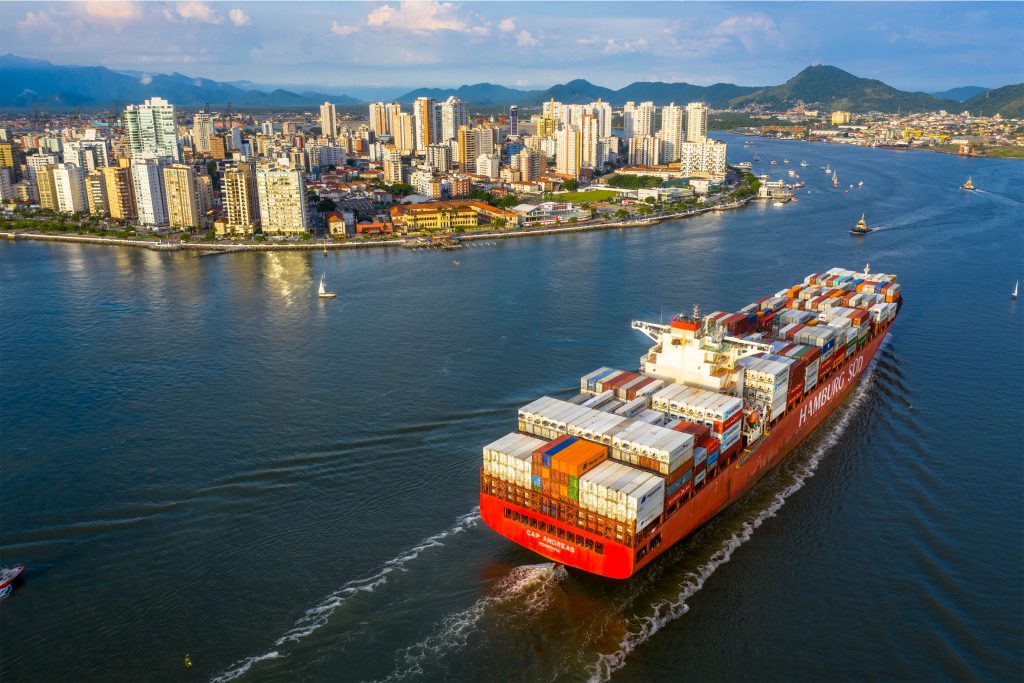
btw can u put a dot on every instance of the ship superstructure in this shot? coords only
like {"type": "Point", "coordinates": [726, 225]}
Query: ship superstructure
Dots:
{"type": "Point", "coordinates": [608, 479]}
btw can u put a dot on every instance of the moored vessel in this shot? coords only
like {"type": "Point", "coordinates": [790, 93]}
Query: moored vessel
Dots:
{"type": "Point", "coordinates": [606, 481]}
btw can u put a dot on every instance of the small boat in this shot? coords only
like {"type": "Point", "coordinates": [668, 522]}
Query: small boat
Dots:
{"type": "Point", "coordinates": [785, 161]}
{"type": "Point", "coordinates": [860, 184]}
{"type": "Point", "coordinates": [969, 185]}
{"type": "Point", "coordinates": [804, 163]}
{"type": "Point", "coordinates": [322, 292]}
{"type": "Point", "coordinates": [757, 157]}
{"type": "Point", "coordinates": [835, 180]}
{"type": "Point", "coordinates": [861, 228]}
{"type": "Point", "coordinates": [774, 163]}
{"type": "Point", "coordinates": [7, 578]}
{"type": "Point", "coordinates": [749, 142]}
{"type": "Point", "coordinates": [827, 169]}
{"type": "Point", "coordinates": [1016, 286]}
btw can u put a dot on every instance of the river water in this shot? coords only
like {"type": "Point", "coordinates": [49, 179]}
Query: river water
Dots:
{"type": "Point", "coordinates": [199, 456]}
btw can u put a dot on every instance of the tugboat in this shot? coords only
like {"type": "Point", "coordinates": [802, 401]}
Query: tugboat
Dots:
{"type": "Point", "coordinates": [969, 185]}
{"type": "Point", "coordinates": [861, 228]}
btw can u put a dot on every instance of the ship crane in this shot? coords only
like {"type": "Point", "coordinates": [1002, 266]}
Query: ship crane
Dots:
{"type": "Point", "coordinates": [652, 330]}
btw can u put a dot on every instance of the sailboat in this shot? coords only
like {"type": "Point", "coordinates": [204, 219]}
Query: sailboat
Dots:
{"type": "Point", "coordinates": [1016, 286]}
{"type": "Point", "coordinates": [835, 180]}
{"type": "Point", "coordinates": [322, 292]}
{"type": "Point", "coordinates": [861, 228]}
{"type": "Point", "coordinates": [969, 185]}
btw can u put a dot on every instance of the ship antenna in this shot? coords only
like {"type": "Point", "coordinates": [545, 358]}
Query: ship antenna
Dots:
{"type": "Point", "coordinates": [696, 312]}
{"type": "Point", "coordinates": [867, 268]}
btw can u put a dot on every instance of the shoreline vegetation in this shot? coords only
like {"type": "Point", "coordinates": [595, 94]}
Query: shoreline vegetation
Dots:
{"type": "Point", "coordinates": [411, 241]}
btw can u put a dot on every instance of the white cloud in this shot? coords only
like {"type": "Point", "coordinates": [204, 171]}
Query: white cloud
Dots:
{"type": "Point", "coordinates": [199, 11]}
{"type": "Point", "coordinates": [526, 39]}
{"type": "Point", "coordinates": [118, 12]}
{"type": "Point", "coordinates": [749, 30]}
{"type": "Point", "coordinates": [592, 40]}
{"type": "Point", "coordinates": [238, 17]}
{"type": "Point", "coordinates": [146, 79]}
{"type": "Point", "coordinates": [426, 17]}
{"type": "Point", "coordinates": [507, 25]}
{"type": "Point", "coordinates": [340, 30]}
{"type": "Point", "coordinates": [626, 46]}
{"type": "Point", "coordinates": [37, 21]}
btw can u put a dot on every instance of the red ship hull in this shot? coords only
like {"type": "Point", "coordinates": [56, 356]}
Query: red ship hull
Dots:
{"type": "Point", "coordinates": [569, 545]}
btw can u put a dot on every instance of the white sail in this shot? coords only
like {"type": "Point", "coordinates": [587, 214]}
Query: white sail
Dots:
{"type": "Point", "coordinates": [322, 290]}
{"type": "Point", "coordinates": [1016, 285]}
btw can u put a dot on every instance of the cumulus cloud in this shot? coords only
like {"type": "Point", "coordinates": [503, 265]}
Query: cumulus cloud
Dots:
{"type": "Point", "coordinates": [749, 30]}
{"type": "Point", "coordinates": [526, 39]}
{"type": "Point", "coordinates": [199, 11]}
{"type": "Point", "coordinates": [507, 25]}
{"type": "Point", "coordinates": [614, 48]}
{"type": "Point", "coordinates": [146, 79]}
{"type": "Point", "coordinates": [120, 12]}
{"type": "Point", "coordinates": [592, 40]}
{"type": "Point", "coordinates": [37, 21]}
{"type": "Point", "coordinates": [425, 17]}
{"type": "Point", "coordinates": [341, 30]}
{"type": "Point", "coordinates": [238, 17]}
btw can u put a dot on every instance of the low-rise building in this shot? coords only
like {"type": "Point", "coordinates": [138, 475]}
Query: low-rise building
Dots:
{"type": "Point", "coordinates": [547, 213]}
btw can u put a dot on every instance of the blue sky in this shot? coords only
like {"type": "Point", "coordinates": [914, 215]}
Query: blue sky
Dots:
{"type": "Point", "coordinates": [913, 46]}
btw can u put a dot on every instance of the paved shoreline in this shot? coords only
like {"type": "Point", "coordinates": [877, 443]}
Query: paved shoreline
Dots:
{"type": "Point", "coordinates": [410, 242]}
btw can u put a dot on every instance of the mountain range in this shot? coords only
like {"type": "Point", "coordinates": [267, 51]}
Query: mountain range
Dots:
{"type": "Point", "coordinates": [28, 83]}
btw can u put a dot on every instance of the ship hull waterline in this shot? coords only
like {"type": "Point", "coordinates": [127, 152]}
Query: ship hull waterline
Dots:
{"type": "Point", "coordinates": [620, 561]}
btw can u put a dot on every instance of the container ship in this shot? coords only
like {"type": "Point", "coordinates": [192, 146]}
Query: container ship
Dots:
{"type": "Point", "coordinates": [609, 479]}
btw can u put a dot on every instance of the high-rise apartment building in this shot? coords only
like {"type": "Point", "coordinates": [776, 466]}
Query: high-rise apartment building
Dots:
{"type": "Point", "coordinates": [696, 122]}
{"type": "Point", "coordinates": [567, 151]}
{"type": "Point", "coordinates": [69, 188]}
{"type": "Point", "coordinates": [403, 132]}
{"type": "Point", "coordinates": [590, 134]}
{"type": "Point", "coordinates": [152, 129]}
{"type": "Point", "coordinates": [6, 155]}
{"type": "Point", "coordinates": [513, 120]}
{"type": "Point", "coordinates": [603, 111]}
{"type": "Point", "coordinates": [392, 165]}
{"type": "Point", "coordinates": [439, 158]}
{"type": "Point", "coordinates": [704, 158]}
{"type": "Point", "coordinates": [96, 193]}
{"type": "Point", "coordinates": [329, 120]}
{"type": "Point", "coordinates": [639, 120]}
{"type": "Point", "coordinates": [488, 165]}
{"type": "Point", "coordinates": [645, 150]}
{"type": "Point", "coordinates": [380, 122]}
{"type": "Point", "coordinates": [47, 191]}
{"type": "Point", "coordinates": [282, 200]}
{"type": "Point", "coordinates": [472, 143]}
{"type": "Point", "coordinates": [180, 191]}
{"type": "Point", "coordinates": [120, 192]}
{"type": "Point", "coordinates": [202, 131]}
{"type": "Point", "coordinates": [427, 115]}
{"type": "Point", "coordinates": [671, 131]}
{"type": "Point", "coordinates": [531, 164]}
{"type": "Point", "coordinates": [239, 194]}
{"type": "Point", "coordinates": [454, 115]}
{"type": "Point", "coordinates": [148, 188]}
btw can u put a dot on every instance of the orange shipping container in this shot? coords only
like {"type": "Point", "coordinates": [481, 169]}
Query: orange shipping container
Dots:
{"type": "Point", "coordinates": [579, 458]}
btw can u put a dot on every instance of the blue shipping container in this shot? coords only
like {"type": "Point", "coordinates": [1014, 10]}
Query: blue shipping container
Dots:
{"type": "Point", "coordinates": [592, 383]}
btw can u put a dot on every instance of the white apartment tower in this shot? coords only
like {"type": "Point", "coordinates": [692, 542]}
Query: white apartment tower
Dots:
{"type": "Point", "coordinates": [148, 187]}
{"type": "Point", "coordinates": [69, 188]}
{"type": "Point", "coordinates": [672, 131]}
{"type": "Point", "coordinates": [152, 129]}
{"type": "Point", "coordinates": [639, 120]}
{"type": "Point", "coordinates": [329, 120]}
{"type": "Point", "coordinates": [454, 115]}
{"type": "Point", "coordinates": [590, 135]}
{"type": "Point", "coordinates": [696, 121]}
{"type": "Point", "coordinates": [282, 198]}
{"type": "Point", "coordinates": [567, 151]}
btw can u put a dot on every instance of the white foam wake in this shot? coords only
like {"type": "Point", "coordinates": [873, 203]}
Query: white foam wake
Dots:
{"type": "Point", "coordinates": [666, 611]}
{"type": "Point", "coordinates": [528, 589]}
{"type": "Point", "coordinates": [318, 615]}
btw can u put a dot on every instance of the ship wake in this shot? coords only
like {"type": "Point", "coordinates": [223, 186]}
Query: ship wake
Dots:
{"type": "Point", "coordinates": [319, 615]}
{"type": "Point", "coordinates": [666, 611]}
{"type": "Point", "coordinates": [524, 592]}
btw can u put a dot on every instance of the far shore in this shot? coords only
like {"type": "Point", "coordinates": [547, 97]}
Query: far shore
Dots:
{"type": "Point", "coordinates": [411, 241]}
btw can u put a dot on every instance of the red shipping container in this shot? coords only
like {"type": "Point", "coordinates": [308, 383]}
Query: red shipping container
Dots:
{"type": "Point", "coordinates": [632, 393]}
{"type": "Point", "coordinates": [698, 431]}
{"type": "Point", "coordinates": [673, 477]}
{"type": "Point", "coordinates": [620, 379]}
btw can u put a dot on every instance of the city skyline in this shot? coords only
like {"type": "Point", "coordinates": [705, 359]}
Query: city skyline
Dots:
{"type": "Point", "coordinates": [912, 46]}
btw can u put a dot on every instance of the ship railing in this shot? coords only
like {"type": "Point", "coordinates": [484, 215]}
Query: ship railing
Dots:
{"type": "Point", "coordinates": [564, 510]}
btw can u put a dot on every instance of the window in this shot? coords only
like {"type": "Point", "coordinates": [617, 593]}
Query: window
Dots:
{"type": "Point", "coordinates": [533, 522]}
{"type": "Point", "coordinates": [561, 533]}
{"type": "Point", "coordinates": [508, 513]}
{"type": "Point", "coordinates": [588, 544]}
{"type": "Point", "coordinates": [515, 516]}
{"type": "Point", "coordinates": [599, 548]}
